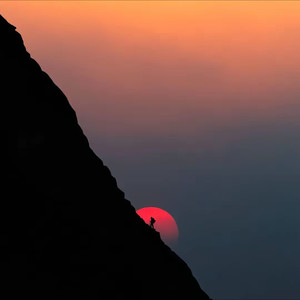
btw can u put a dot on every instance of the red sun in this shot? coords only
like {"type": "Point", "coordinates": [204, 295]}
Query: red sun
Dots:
{"type": "Point", "coordinates": [164, 223]}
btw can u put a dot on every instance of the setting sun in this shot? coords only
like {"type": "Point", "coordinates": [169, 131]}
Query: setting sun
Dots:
{"type": "Point", "coordinates": [164, 222]}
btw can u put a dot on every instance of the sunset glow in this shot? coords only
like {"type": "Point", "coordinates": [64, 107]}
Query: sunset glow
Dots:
{"type": "Point", "coordinates": [194, 107]}
{"type": "Point", "coordinates": [203, 58]}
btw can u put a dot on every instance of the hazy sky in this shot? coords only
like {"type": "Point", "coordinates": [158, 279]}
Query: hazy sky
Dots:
{"type": "Point", "coordinates": [194, 106]}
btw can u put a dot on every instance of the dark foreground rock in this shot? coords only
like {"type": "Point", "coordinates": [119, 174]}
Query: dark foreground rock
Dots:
{"type": "Point", "coordinates": [66, 229]}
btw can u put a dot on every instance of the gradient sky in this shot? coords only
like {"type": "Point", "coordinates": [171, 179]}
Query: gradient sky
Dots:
{"type": "Point", "coordinates": [194, 106]}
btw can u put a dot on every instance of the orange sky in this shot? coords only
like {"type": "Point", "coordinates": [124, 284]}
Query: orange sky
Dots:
{"type": "Point", "coordinates": [175, 60]}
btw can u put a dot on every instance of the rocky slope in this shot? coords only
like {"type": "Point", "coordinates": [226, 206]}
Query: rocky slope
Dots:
{"type": "Point", "coordinates": [66, 229]}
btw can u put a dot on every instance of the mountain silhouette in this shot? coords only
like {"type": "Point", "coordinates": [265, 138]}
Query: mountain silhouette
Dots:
{"type": "Point", "coordinates": [67, 230]}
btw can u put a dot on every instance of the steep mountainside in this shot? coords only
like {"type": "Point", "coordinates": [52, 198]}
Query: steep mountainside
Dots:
{"type": "Point", "coordinates": [66, 230]}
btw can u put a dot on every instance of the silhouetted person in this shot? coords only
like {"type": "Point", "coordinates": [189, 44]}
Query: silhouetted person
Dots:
{"type": "Point", "coordinates": [152, 221]}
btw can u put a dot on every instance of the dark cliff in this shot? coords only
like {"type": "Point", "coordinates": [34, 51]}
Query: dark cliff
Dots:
{"type": "Point", "coordinates": [66, 229]}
